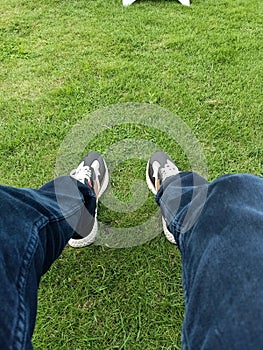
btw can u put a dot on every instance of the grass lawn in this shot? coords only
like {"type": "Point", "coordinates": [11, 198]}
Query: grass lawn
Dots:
{"type": "Point", "coordinates": [62, 60]}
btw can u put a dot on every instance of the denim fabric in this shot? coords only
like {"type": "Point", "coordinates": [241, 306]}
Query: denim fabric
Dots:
{"type": "Point", "coordinates": [222, 257]}
{"type": "Point", "coordinates": [35, 226]}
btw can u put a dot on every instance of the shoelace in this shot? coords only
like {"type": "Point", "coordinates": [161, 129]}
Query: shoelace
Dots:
{"type": "Point", "coordinates": [168, 170]}
{"type": "Point", "coordinates": [82, 173]}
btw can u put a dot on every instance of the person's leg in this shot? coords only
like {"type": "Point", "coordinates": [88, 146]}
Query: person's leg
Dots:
{"type": "Point", "coordinates": [35, 226]}
{"type": "Point", "coordinates": [221, 242]}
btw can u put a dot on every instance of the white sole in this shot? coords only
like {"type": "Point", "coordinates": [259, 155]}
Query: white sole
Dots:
{"type": "Point", "coordinates": [83, 242]}
{"type": "Point", "coordinates": [106, 181]}
{"type": "Point", "coordinates": [167, 233]}
{"type": "Point", "coordinates": [148, 180]}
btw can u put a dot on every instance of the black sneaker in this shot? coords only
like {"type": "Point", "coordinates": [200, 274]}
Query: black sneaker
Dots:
{"type": "Point", "coordinates": [91, 171]}
{"type": "Point", "coordinates": [159, 167]}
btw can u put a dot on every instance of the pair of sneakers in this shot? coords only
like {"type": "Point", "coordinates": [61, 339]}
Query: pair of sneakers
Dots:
{"type": "Point", "coordinates": [93, 172]}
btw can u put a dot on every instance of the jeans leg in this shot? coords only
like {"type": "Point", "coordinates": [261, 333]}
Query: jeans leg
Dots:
{"type": "Point", "coordinates": [222, 257]}
{"type": "Point", "coordinates": [35, 226]}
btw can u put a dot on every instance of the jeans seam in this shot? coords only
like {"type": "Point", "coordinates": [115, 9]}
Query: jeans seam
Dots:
{"type": "Point", "coordinates": [20, 331]}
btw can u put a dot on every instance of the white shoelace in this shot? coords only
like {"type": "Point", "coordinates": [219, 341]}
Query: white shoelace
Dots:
{"type": "Point", "coordinates": [82, 173]}
{"type": "Point", "coordinates": [168, 170]}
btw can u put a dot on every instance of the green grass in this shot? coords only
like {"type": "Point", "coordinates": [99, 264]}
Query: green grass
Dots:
{"type": "Point", "coordinates": [61, 60]}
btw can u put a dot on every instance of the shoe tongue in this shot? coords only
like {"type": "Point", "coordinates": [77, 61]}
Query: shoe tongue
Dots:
{"type": "Point", "coordinates": [91, 182]}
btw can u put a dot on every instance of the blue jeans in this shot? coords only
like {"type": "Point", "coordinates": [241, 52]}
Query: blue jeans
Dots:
{"type": "Point", "coordinates": [222, 258]}
{"type": "Point", "coordinates": [222, 251]}
{"type": "Point", "coordinates": [35, 226]}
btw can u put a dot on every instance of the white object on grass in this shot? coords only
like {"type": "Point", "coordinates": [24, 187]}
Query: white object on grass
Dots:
{"type": "Point", "coordinates": [129, 2]}
{"type": "Point", "coordinates": [185, 2]}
